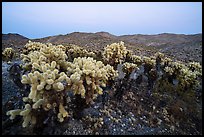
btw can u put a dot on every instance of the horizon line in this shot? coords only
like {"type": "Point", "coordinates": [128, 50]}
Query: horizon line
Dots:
{"type": "Point", "coordinates": [104, 32]}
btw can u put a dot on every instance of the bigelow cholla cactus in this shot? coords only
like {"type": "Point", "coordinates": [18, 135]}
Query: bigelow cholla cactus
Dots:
{"type": "Point", "coordinates": [115, 54]}
{"type": "Point", "coordinates": [8, 53]}
{"type": "Point", "coordinates": [128, 68]}
{"type": "Point", "coordinates": [187, 76]}
{"type": "Point", "coordinates": [46, 54]}
{"type": "Point", "coordinates": [32, 46]}
{"type": "Point", "coordinates": [47, 83]}
{"type": "Point", "coordinates": [88, 76]}
{"type": "Point", "coordinates": [74, 51]}
{"type": "Point", "coordinates": [50, 76]}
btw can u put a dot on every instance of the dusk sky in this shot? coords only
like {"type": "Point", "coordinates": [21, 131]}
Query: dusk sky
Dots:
{"type": "Point", "coordinates": [42, 19]}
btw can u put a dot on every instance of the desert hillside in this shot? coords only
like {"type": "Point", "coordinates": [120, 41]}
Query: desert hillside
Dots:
{"type": "Point", "coordinates": [179, 46]}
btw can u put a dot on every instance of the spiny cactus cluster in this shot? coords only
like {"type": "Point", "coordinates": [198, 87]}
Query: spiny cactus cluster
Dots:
{"type": "Point", "coordinates": [8, 53]}
{"type": "Point", "coordinates": [115, 54]}
{"type": "Point", "coordinates": [32, 46]}
{"type": "Point", "coordinates": [46, 54]}
{"type": "Point", "coordinates": [136, 60]}
{"type": "Point", "coordinates": [46, 80]}
{"type": "Point", "coordinates": [88, 76]}
{"type": "Point", "coordinates": [50, 76]}
{"type": "Point", "coordinates": [161, 69]}
{"type": "Point", "coordinates": [128, 67]}
{"type": "Point", "coordinates": [187, 75]}
{"type": "Point", "coordinates": [74, 51]}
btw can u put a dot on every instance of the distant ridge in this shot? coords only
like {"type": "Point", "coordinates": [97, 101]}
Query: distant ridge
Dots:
{"type": "Point", "coordinates": [172, 44]}
{"type": "Point", "coordinates": [83, 38]}
{"type": "Point", "coordinates": [13, 36]}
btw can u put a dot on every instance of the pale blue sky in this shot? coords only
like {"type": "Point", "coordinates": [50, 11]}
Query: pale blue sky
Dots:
{"type": "Point", "coordinates": [42, 19]}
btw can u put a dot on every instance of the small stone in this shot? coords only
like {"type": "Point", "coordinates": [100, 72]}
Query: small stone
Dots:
{"type": "Point", "coordinates": [172, 128]}
{"type": "Point", "coordinates": [141, 118]}
{"type": "Point", "coordinates": [133, 119]}
{"type": "Point", "coordinates": [154, 108]}
{"type": "Point", "coordinates": [114, 129]}
{"type": "Point", "coordinates": [159, 121]}
{"type": "Point", "coordinates": [123, 125]}
{"type": "Point", "coordinates": [100, 119]}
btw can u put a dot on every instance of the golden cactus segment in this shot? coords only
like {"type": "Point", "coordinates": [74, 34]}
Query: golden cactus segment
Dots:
{"type": "Point", "coordinates": [62, 113]}
{"type": "Point", "coordinates": [38, 103]}
{"type": "Point", "coordinates": [13, 113]}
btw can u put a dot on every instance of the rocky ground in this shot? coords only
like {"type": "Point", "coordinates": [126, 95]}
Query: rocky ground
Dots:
{"type": "Point", "coordinates": [138, 112]}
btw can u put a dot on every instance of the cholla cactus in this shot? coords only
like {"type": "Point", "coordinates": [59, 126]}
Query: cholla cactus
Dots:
{"type": "Point", "coordinates": [8, 53]}
{"type": "Point", "coordinates": [187, 79]}
{"type": "Point", "coordinates": [166, 62]}
{"type": "Point", "coordinates": [46, 54]}
{"type": "Point", "coordinates": [129, 56]}
{"type": "Point", "coordinates": [137, 60]}
{"type": "Point", "coordinates": [32, 46]}
{"type": "Point", "coordinates": [62, 47]}
{"type": "Point", "coordinates": [187, 76]}
{"type": "Point", "coordinates": [50, 76]}
{"type": "Point", "coordinates": [74, 51]}
{"type": "Point", "coordinates": [195, 66]}
{"type": "Point", "coordinates": [169, 70]}
{"type": "Point", "coordinates": [88, 76]}
{"type": "Point", "coordinates": [28, 118]}
{"type": "Point", "coordinates": [129, 67]}
{"type": "Point", "coordinates": [149, 61]}
{"type": "Point", "coordinates": [159, 58]}
{"type": "Point", "coordinates": [148, 64]}
{"type": "Point", "coordinates": [115, 54]}
{"type": "Point", "coordinates": [47, 81]}
{"type": "Point", "coordinates": [159, 55]}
